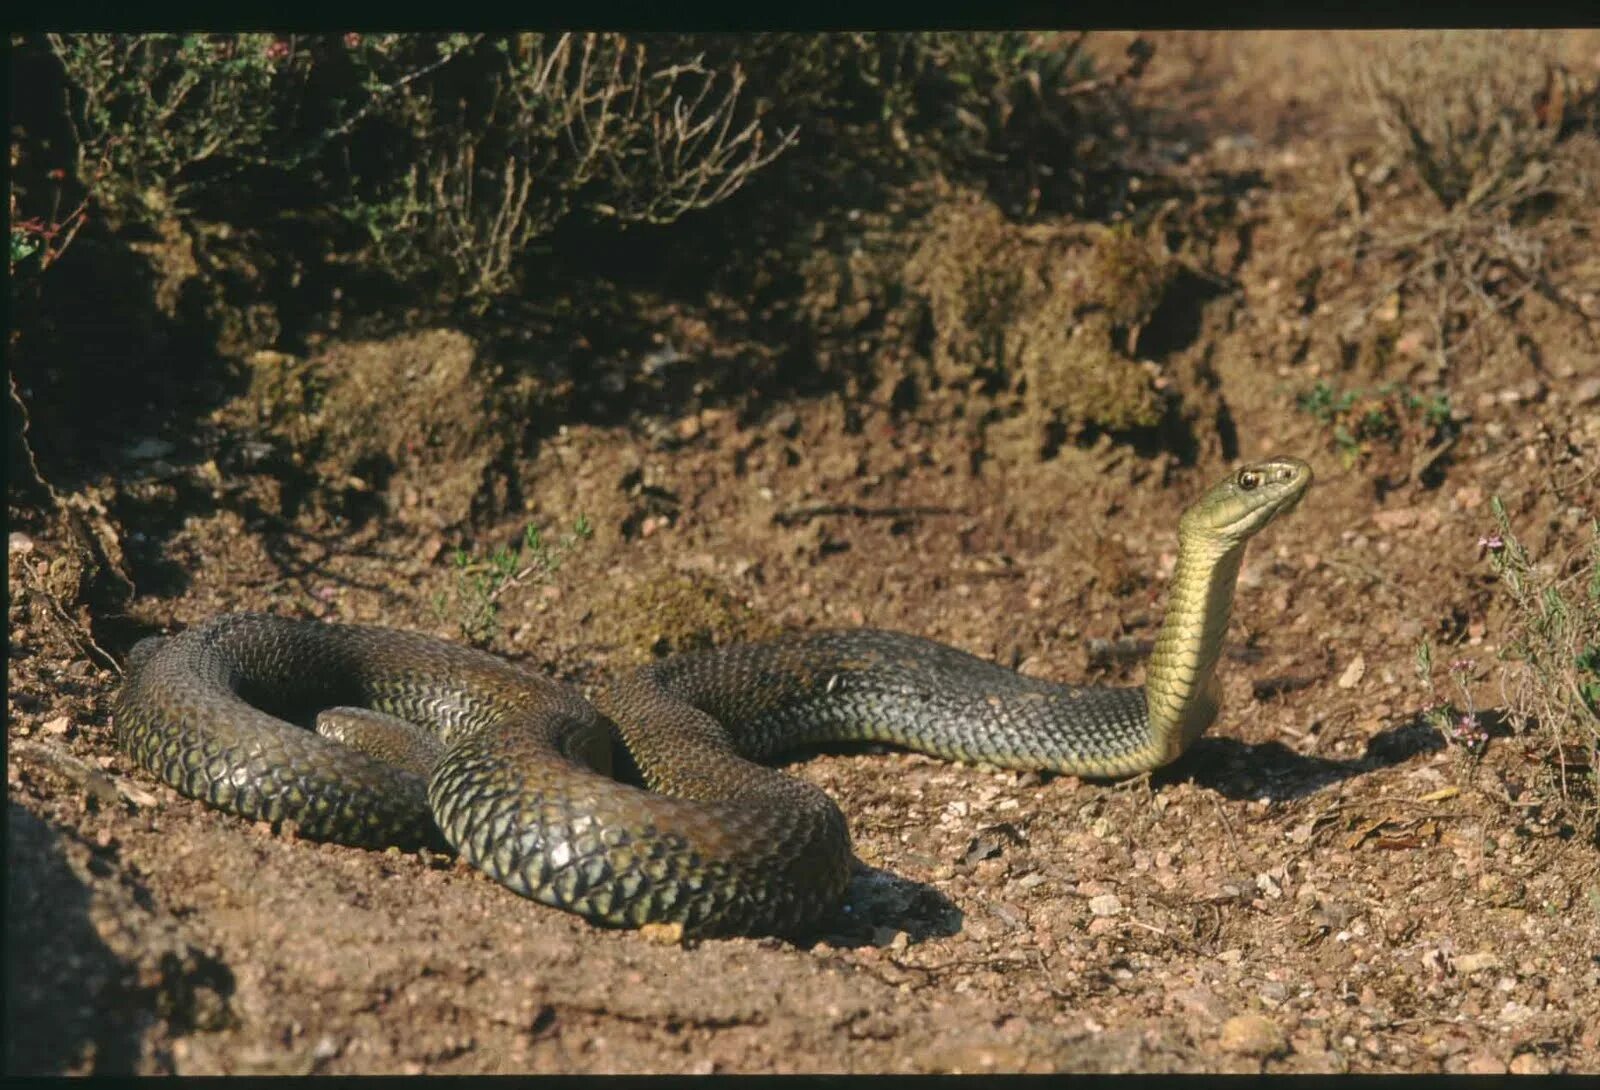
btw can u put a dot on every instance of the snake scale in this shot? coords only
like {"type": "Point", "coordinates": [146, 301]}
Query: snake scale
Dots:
{"type": "Point", "coordinates": [514, 768]}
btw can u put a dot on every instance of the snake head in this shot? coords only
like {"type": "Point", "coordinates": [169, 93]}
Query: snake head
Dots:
{"type": "Point", "coordinates": [1242, 503]}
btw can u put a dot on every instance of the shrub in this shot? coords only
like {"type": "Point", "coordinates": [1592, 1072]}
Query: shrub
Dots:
{"type": "Point", "coordinates": [1549, 676]}
{"type": "Point", "coordinates": [1503, 145]}
{"type": "Point", "coordinates": [1020, 114]}
{"type": "Point", "coordinates": [452, 154]}
{"type": "Point", "coordinates": [156, 116]}
{"type": "Point", "coordinates": [480, 581]}
{"type": "Point", "coordinates": [552, 123]}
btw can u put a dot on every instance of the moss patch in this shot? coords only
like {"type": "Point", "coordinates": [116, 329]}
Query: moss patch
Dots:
{"type": "Point", "coordinates": [685, 612]}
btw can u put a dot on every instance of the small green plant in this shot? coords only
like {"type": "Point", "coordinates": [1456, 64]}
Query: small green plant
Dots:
{"type": "Point", "coordinates": [1389, 413]}
{"type": "Point", "coordinates": [46, 238]}
{"type": "Point", "coordinates": [1457, 723]}
{"type": "Point", "coordinates": [480, 582]}
{"type": "Point", "coordinates": [1552, 663]}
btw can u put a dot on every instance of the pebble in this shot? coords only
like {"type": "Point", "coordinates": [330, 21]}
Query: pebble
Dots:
{"type": "Point", "coordinates": [146, 449]}
{"type": "Point", "coordinates": [1252, 1035]}
{"type": "Point", "coordinates": [1353, 673]}
{"type": "Point", "coordinates": [1481, 1063]}
{"type": "Point", "coordinates": [1106, 904]}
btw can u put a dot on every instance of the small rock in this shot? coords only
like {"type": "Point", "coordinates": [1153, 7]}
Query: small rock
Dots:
{"type": "Point", "coordinates": [1411, 345]}
{"type": "Point", "coordinates": [1253, 1035]}
{"type": "Point", "coordinates": [1467, 964]}
{"type": "Point", "coordinates": [1482, 1063]}
{"type": "Point", "coordinates": [1395, 519]}
{"type": "Point", "coordinates": [1202, 1001]}
{"type": "Point", "coordinates": [1529, 1064]}
{"type": "Point", "coordinates": [19, 544]}
{"type": "Point", "coordinates": [785, 423]}
{"type": "Point", "coordinates": [59, 725]}
{"type": "Point", "coordinates": [1353, 673]}
{"type": "Point", "coordinates": [1106, 904]}
{"type": "Point", "coordinates": [149, 449]}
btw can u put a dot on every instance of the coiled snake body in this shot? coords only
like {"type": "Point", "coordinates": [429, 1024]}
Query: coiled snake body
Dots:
{"type": "Point", "coordinates": [514, 768]}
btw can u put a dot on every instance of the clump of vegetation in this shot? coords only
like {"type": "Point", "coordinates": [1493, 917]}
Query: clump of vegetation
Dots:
{"type": "Point", "coordinates": [1456, 721]}
{"type": "Point", "coordinates": [1390, 413]}
{"type": "Point", "coordinates": [687, 612]}
{"type": "Point", "coordinates": [1504, 149]}
{"type": "Point", "coordinates": [549, 124]}
{"type": "Point", "coordinates": [45, 238]}
{"type": "Point", "coordinates": [1552, 655]}
{"type": "Point", "coordinates": [157, 116]}
{"type": "Point", "coordinates": [1022, 115]}
{"type": "Point", "coordinates": [448, 155]}
{"type": "Point", "coordinates": [480, 582]}
{"type": "Point", "coordinates": [1128, 275]}
{"type": "Point", "coordinates": [1550, 673]}
{"type": "Point", "coordinates": [1018, 313]}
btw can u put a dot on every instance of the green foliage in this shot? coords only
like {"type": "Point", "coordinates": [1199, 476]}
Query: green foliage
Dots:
{"type": "Point", "coordinates": [450, 154]}
{"type": "Point", "coordinates": [441, 161]}
{"type": "Point", "coordinates": [1552, 656]}
{"type": "Point", "coordinates": [548, 125]}
{"type": "Point", "coordinates": [153, 113]}
{"type": "Point", "coordinates": [24, 243]}
{"type": "Point", "coordinates": [45, 239]}
{"type": "Point", "coordinates": [480, 582]}
{"type": "Point", "coordinates": [1390, 413]}
{"type": "Point", "coordinates": [1021, 114]}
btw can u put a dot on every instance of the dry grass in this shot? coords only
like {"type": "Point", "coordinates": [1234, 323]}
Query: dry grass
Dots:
{"type": "Point", "coordinates": [572, 121]}
{"type": "Point", "coordinates": [1498, 140]}
{"type": "Point", "coordinates": [1551, 673]}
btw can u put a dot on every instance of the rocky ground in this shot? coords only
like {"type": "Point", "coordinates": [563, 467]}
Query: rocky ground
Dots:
{"type": "Point", "coordinates": [1323, 883]}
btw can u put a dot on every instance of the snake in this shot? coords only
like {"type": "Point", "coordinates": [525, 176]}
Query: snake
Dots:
{"type": "Point", "coordinates": [455, 747]}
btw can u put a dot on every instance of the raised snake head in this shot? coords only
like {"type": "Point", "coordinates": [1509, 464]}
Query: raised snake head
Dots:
{"type": "Point", "coordinates": [1242, 503]}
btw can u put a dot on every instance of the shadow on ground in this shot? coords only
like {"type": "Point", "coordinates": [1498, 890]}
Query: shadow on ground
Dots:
{"type": "Point", "coordinates": [62, 981]}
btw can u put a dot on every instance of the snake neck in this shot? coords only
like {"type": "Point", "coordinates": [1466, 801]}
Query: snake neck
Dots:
{"type": "Point", "coordinates": [1181, 690]}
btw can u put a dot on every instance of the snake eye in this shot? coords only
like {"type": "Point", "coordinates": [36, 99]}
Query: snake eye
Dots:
{"type": "Point", "coordinates": [1248, 479]}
